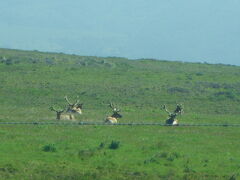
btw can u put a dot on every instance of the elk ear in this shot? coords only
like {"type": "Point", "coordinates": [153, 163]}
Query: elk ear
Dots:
{"type": "Point", "coordinates": [80, 106]}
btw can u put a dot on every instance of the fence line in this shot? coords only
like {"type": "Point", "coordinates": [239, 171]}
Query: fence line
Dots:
{"type": "Point", "coordinates": [117, 124]}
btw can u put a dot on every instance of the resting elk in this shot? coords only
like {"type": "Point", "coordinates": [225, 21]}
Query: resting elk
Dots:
{"type": "Point", "coordinates": [172, 116]}
{"type": "Point", "coordinates": [74, 107]}
{"type": "Point", "coordinates": [114, 117]}
{"type": "Point", "coordinates": [61, 115]}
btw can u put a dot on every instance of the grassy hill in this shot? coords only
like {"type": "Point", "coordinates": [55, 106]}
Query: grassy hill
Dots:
{"type": "Point", "coordinates": [32, 81]}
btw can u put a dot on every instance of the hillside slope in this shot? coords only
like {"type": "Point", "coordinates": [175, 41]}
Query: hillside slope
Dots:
{"type": "Point", "coordinates": [36, 80]}
{"type": "Point", "coordinates": [32, 81]}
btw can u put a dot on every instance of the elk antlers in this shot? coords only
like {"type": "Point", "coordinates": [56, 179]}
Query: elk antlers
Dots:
{"type": "Point", "coordinates": [178, 110]}
{"type": "Point", "coordinates": [165, 108]}
{"type": "Point", "coordinates": [69, 103]}
{"type": "Point", "coordinates": [58, 111]}
{"type": "Point", "coordinates": [114, 108]}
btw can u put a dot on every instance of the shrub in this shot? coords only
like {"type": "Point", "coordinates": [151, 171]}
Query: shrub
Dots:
{"type": "Point", "coordinates": [171, 158]}
{"type": "Point", "coordinates": [151, 160]}
{"type": "Point", "coordinates": [163, 155]}
{"type": "Point", "coordinates": [49, 148]}
{"type": "Point", "coordinates": [8, 168]}
{"type": "Point", "coordinates": [114, 145]}
{"type": "Point", "coordinates": [199, 74]}
{"type": "Point", "coordinates": [9, 62]}
{"type": "Point", "coordinates": [225, 95]}
{"type": "Point", "coordinates": [187, 169]}
{"type": "Point", "coordinates": [102, 145]}
{"type": "Point", "coordinates": [205, 84]}
{"type": "Point", "coordinates": [233, 177]}
{"type": "Point", "coordinates": [176, 155]}
{"type": "Point", "coordinates": [50, 61]}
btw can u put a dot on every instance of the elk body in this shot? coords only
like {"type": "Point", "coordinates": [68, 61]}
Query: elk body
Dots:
{"type": "Point", "coordinates": [115, 116]}
{"type": "Point", "coordinates": [69, 111]}
{"type": "Point", "coordinates": [61, 115]}
{"type": "Point", "coordinates": [74, 107]}
{"type": "Point", "coordinates": [172, 116]}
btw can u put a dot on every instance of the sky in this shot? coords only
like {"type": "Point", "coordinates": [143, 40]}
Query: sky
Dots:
{"type": "Point", "coordinates": [182, 30]}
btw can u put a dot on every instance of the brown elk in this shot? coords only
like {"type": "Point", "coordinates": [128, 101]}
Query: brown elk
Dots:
{"type": "Point", "coordinates": [74, 107]}
{"type": "Point", "coordinates": [114, 117]}
{"type": "Point", "coordinates": [61, 115]}
{"type": "Point", "coordinates": [172, 116]}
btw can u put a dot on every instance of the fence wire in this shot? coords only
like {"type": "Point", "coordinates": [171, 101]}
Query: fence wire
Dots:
{"type": "Point", "coordinates": [116, 124]}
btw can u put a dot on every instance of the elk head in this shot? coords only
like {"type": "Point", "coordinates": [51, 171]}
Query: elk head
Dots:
{"type": "Point", "coordinates": [74, 107]}
{"type": "Point", "coordinates": [61, 116]}
{"type": "Point", "coordinates": [179, 109]}
{"type": "Point", "coordinates": [115, 111]}
{"type": "Point", "coordinates": [59, 112]}
{"type": "Point", "coordinates": [113, 118]}
{"type": "Point", "coordinates": [172, 116]}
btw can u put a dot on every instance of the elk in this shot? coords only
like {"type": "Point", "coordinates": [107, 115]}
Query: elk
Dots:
{"type": "Point", "coordinates": [74, 107]}
{"type": "Point", "coordinates": [172, 116]}
{"type": "Point", "coordinates": [61, 115]}
{"type": "Point", "coordinates": [114, 117]}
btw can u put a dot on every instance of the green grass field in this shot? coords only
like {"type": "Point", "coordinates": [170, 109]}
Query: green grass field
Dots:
{"type": "Point", "coordinates": [32, 81]}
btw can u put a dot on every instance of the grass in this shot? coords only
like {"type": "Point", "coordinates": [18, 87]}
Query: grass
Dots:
{"type": "Point", "coordinates": [32, 81]}
{"type": "Point", "coordinates": [152, 152]}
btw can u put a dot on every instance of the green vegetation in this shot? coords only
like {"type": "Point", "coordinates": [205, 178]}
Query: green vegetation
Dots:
{"type": "Point", "coordinates": [31, 82]}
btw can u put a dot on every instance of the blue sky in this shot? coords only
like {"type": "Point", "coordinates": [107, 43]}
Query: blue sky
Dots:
{"type": "Point", "coordinates": [186, 30]}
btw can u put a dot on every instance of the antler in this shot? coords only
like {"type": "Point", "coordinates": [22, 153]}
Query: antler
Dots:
{"type": "Point", "coordinates": [53, 109]}
{"type": "Point", "coordinates": [66, 98]}
{"type": "Point", "coordinates": [113, 107]}
{"type": "Point", "coordinates": [69, 103]}
{"type": "Point", "coordinates": [77, 101]}
{"type": "Point", "coordinates": [164, 107]}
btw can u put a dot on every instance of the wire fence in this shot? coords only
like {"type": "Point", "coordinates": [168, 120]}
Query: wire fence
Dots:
{"type": "Point", "coordinates": [116, 124]}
